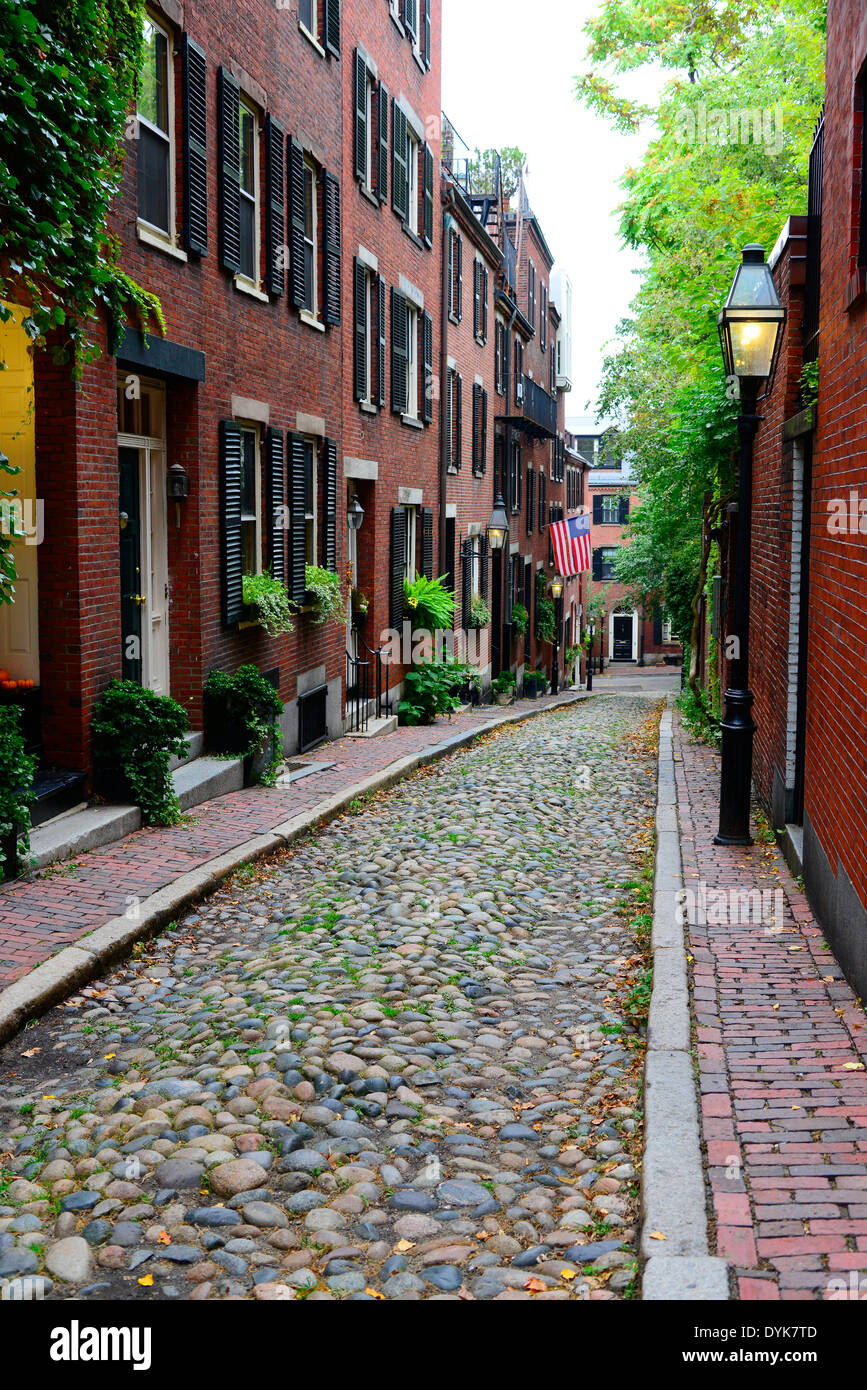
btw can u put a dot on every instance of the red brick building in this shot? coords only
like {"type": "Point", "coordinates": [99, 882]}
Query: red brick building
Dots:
{"type": "Point", "coordinates": [808, 633]}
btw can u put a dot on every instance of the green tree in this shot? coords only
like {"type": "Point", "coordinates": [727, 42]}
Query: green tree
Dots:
{"type": "Point", "coordinates": [726, 164]}
{"type": "Point", "coordinates": [483, 170]}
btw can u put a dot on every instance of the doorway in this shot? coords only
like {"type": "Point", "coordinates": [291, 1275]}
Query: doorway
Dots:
{"type": "Point", "coordinates": [622, 638]}
{"type": "Point", "coordinates": [143, 544]}
{"type": "Point", "coordinates": [20, 514]}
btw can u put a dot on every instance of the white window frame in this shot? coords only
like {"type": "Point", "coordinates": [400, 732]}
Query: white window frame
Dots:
{"type": "Point", "coordinates": [413, 319]}
{"type": "Point", "coordinates": [311, 513]}
{"type": "Point", "coordinates": [367, 399]}
{"type": "Point", "coordinates": [311, 181]}
{"type": "Point", "coordinates": [413, 155]}
{"type": "Point", "coordinates": [666, 630]}
{"type": "Point", "coordinates": [476, 567]}
{"type": "Point", "coordinates": [369, 141]}
{"type": "Point", "coordinates": [411, 514]}
{"type": "Point", "coordinates": [165, 238]}
{"type": "Point", "coordinates": [242, 280]}
{"type": "Point", "coordinates": [250, 427]}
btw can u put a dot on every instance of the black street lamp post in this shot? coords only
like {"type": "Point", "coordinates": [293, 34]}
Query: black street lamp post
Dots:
{"type": "Point", "coordinates": [591, 628]}
{"type": "Point", "coordinates": [750, 327]}
{"type": "Point", "coordinates": [556, 594]}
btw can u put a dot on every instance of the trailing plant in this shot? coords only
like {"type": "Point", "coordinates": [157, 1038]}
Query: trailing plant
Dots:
{"type": "Point", "coordinates": [433, 688]}
{"type": "Point", "coordinates": [698, 715]}
{"type": "Point", "coordinates": [545, 615]}
{"type": "Point", "coordinates": [67, 82]}
{"type": "Point", "coordinates": [138, 731]}
{"type": "Point", "coordinates": [520, 618]}
{"type": "Point", "coordinates": [504, 683]}
{"type": "Point", "coordinates": [430, 605]}
{"type": "Point", "coordinates": [480, 613]}
{"type": "Point", "coordinates": [572, 655]}
{"type": "Point", "coordinates": [17, 769]}
{"type": "Point", "coordinates": [247, 703]}
{"type": "Point", "coordinates": [272, 602]}
{"type": "Point", "coordinates": [325, 595]}
{"type": "Point", "coordinates": [360, 602]}
{"type": "Point", "coordinates": [808, 384]}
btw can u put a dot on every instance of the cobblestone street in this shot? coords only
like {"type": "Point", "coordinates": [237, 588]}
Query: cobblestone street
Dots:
{"type": "Point", "coordinates": [393, 1061]}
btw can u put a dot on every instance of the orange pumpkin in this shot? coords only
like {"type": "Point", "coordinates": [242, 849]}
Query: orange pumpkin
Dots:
{"type": "Point", "coordinates": [26, 685]}
{"type": "Point", "coordinates": [9, 685]}
{"type": "Point", "coordinates": [4, 676]}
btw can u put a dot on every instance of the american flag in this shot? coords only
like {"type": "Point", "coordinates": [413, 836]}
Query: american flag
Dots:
{"type": "Point", "coordinates": [571, 539]}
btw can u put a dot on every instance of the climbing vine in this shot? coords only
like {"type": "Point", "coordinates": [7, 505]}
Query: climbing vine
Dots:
{"type": "Point", "coordinates": [67, 78]}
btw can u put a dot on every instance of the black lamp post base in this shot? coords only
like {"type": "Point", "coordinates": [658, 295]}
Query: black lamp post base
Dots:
{"type": "Point", "coordinates": [737, 767]}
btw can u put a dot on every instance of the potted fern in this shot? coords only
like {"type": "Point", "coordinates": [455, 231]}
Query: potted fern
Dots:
{"type": "Point", "coordinates": [430, 605]}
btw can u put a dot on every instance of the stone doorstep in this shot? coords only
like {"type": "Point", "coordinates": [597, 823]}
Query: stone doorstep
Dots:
{"type": "Point", "coordinates": [196, 781]}
{"type": "Point", "coordinates": [375, 728]}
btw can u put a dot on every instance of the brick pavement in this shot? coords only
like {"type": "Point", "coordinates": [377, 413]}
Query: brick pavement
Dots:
{"type": "Point", "coordinates": [46, 911]}
{"type": "Point", "coordinates": [781, 1047]}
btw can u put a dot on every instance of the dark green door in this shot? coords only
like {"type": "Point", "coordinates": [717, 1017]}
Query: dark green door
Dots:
{"type": "Point", "coordinates": [130, 564]}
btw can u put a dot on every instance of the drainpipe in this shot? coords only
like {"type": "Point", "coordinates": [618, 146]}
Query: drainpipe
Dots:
{"type": "Point", "coordinates": [444, 356]}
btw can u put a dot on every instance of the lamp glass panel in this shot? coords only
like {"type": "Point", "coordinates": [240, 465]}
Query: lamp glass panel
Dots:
{"type": "Point", "coordinates": [753, 288]}
{"type": "Point", "coordinates": [753, 342]}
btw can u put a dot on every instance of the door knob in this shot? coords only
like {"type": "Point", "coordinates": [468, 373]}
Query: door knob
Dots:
{"type": "Point", "coordinates": [140, 599]}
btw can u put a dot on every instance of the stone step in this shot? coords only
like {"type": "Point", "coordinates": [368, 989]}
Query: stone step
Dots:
{"type": "Point", "coordinates": [196, 781]}
{"type": "Point", "coordinates": [375, 727]}
{"type": "Point", "coordinates": [195, 749]}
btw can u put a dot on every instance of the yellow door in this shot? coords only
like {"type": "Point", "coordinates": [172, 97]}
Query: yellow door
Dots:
{"type": "Point", "coordinates": [19, 621]}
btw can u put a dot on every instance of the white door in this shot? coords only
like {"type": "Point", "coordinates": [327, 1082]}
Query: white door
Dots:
{"type": "Point", "coordinates": [19, 621]}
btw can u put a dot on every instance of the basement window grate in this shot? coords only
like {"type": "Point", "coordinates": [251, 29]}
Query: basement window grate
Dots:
{"type": "Point", "coordinates": [312, 720]}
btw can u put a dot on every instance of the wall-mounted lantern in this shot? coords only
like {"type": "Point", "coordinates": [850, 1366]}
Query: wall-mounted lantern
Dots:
{"type": "Point", "coordinates": [177, 488]}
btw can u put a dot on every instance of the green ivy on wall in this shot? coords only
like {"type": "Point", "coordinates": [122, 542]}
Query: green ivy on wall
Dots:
{"type": "Point", "coordinates": [67, 80]}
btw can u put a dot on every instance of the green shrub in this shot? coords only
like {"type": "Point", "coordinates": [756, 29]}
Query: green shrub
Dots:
{"type": "Point", "coordinates": [17, 769]}
{"type": "Point", "coordinates": [545, 616]}
{"type": "Point", "coordinates": [244, 707]}
{"type": "Point", "coordinates": [325, 596]}
{"type": "Point", "coordinates": [433, 688]}
{"type": "Point", "coordinates": [430, 605]}
{"type": "Point", "coordinates": [271, 600]}
{"type": "Point", "coordinates": [504, 683]}
{"type": "Point", "coordinates": [138, 731]}
{"type": "Point", "coordinates": [480, 613]}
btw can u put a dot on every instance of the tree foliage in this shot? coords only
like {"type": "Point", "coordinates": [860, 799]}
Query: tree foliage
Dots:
{"type": "Point", "coordinates": [67, 77]}
{"type": "Point", "coordinates": [742, 84]}
{"type": "Point", "coordinates": [483, 170]}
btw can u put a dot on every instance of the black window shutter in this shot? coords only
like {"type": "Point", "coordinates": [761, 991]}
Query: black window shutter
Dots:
{"type": "Point", "coordinates": [332, 302]}
{"type": "Point", "coordinates": [477, 298]}
{"type": "Point", "coordinates": [597, 564]}
{"type": "Point", "coordinates": [657, 629]}
{"type": "Point", "coordinates": [231, 468]}
{"type": "Point", "coordinates": [531, 499]}
{"type": "Point", "coordinates": [329, 507]}
{"type": "Point", "coordinates": [332, 27]}
{"type": "Point", "coordinates": [297, 502]}
{"type": "Point", "coordinates": [410, 16]}
{"type": "Point", "coordinates": [275, 208]}
{"type": "Point", "coordinates": [382, 171]}
{"type": "Point", "coordinates": [427, 542]}
{"type": "Point", "coordinates": [483, 460]}
{"type": "Point", "coordinates": [484, 272]}
{"type": "Point", "coordinates": [229, 200]}
{"type": "Point", "coordinates": [297, 220]}
{"type": "Point", "coordinates": [426, 34]}
{"type": "Point", "coordinates": [623, 511]}
{"type": "Point", "coordinates": [459, 311]}
{"type": "Point", "coordinates": [543, 497]}
{"type": "Point", "coordinates": [398, 352]}
{"type": "Point", "coordinates": [466, 582]}
{"type": "Point", "coordinates": [450, 418]}
{"type": "Point", "coordinates": [483, 567]}
{"type": "Point", "coordinates": [477, 425]}
{"type": "Point", "coordinates": [449, 576]}
{"type": "Point", "coordinates": [427, 367]}
{"type": "Point", "coordinates": [275, 459]}
{"type": "Point", "coordinates": [452, 270]}
{"type": "Point", "coordinates": [459, 420]}
{"type": "Point", "coordinates": [397, 563]}
{"type": "Point", "coordinates": [380, 329]}
{"type": "Point", "coordinates": [597, 510]}
{"type": "Point", "coordinates": [399, 184]}
{"type": "Point", "coordinates": [428, 195]}
{"type": "Point", "coordinates": [360, 117]}
{"type": "Point", "coordinates": [360, 330]}
{"type": "Point", "coordinates": [194, 72]}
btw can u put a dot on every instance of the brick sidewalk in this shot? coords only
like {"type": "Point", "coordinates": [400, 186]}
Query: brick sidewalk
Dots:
{"type": "Point", "coordinates": [43, 912]}
{"type": "Point", "coordinates": [781, 1045]}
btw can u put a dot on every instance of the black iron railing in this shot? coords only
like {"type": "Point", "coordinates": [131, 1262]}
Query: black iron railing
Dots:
{"type": "Point", "coordinates": [383, 704]}
{"type": "Point", "coordinates": [357, 695]}
{"type": "Point", "coordinates": [540, 408]}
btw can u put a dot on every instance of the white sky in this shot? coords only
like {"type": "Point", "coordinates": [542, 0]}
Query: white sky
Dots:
{"type": "Point", "coordinates": [508, 79]}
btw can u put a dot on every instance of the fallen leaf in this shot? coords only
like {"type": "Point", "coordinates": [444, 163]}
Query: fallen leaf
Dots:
{"type": "Point", "coordinates": [108, 1056]}
{"type": "Point", "coordinates": [164, 1238]}
{"type": "Point", "coordinates": [403, 1245]}
{"type": "Point", "coordinates": [31, 1052]}
{"type": "Point", "coordinates": [853, 1066]}
{"type": "Point", "coordinates": [536, 1285]}
{"type": "Point", "coordinates": [374, 1293]}
{"type": "Point", "coordinates": [146, 1281]}
{"type": "Point", "coordinates": [657, 1235]}
{"type": "Point", "coordinates": [775, 1007]}
{"type": "Point", "coordinates": [567, 1274]}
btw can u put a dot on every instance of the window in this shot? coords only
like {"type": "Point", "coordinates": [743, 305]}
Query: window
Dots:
{"type": "Point", "coordinates": [610, 511]}
{"type": "Point", "coordinates": [606, 556]}
{"type": "Point", "coordinates": [666, 629]}
{"type": "Point", "coordinates": [501, 358]}
{"type": "Point", "coordinates": [480, 301]}
{"type": "Point", "coordinates": [475, 567]}
{"type": "Point", "coordinates": [412, 361]}
{"type": "Point", "coordinates": [251, 501]}
{"type": "Point", "coordinates": [365, 128]}
{"type": "Point", "coordinates": [519, 372]}
{"type": "Point", "coordinates": [307, 15]}
{"type": "Point", "coordinates": [543, 318]}
{"type": "Point", "coordinates": [480, 429]}
{"type": "Point", "coordinates": [454, 419]}
{"type": "Point", "coordinates": [515, 476]}
{"type": "Point", "coordinates": [369, 336]}
{"type": "Point", "coordinates": [248, 164]}
{"type": "Point", "coordinates": [311, 287]}
{"type": "Point", "coordinates": [409, 556]}
{"type": "Point", "coordinates": [326, 33]}
{"type": "Point", "coordinates": [155, 136]}
{"type": "Point", "coordinates": [456, 276]}
{"type": "Point", "coordinates": [412, 157]}
{"type": "Point", "coordinates": [310, 500]}
{"type": "Point", "coordinates": [531, 295]}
